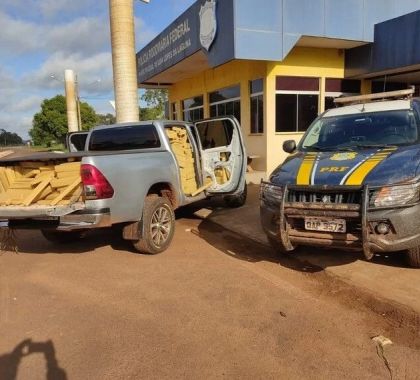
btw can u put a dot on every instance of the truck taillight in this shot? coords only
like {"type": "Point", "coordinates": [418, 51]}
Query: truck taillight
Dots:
{"type": "Point", "coordinates": [96, 186]}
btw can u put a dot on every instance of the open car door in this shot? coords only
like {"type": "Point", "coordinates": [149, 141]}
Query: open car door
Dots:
{"type": "Point", "coordinates": [223, 155]}
{"type": "Point", "coordinates": [76, 141]}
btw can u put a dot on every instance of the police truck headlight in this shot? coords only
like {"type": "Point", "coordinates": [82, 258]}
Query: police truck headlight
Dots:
{"type": "Point", "coordinates": [271, 193]}
{"type": "Point", "coordinates": [395, 196]}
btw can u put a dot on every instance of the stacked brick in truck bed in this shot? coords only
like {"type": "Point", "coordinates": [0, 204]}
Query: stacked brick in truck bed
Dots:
{"type": "Point", "coordinates": [40, 183]}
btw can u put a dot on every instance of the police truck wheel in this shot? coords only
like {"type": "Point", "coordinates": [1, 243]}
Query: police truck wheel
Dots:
{"type": "Point", "coordinates": [158, 226]}
{"type": "Point", "coordinates": [413, 257]}
{"type": "Point", "coordinates": [235, 201]}
{"type": "Point", "coordinates": [62, 237]}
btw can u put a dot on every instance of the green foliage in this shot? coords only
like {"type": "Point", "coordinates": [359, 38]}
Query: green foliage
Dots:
{"type": "Point", "coordinates": [107, 119]}
{"type": "Point", "coordinates": [155, 100]}
{"type": "Point", "coordinates": [150, 114]}
{"type": "Point", "coordinates": [49, 126]}
{"type": "Point", "coordinates": [9, 138]}
{"type": "Point", "coordinates": [88, 115]}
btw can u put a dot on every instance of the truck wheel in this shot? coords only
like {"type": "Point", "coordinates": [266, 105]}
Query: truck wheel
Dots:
{"type": "Point", "coordinates": [62, 237]}
{"type": "Point", "coordinates": [277, 245]}
{"type": "Point", "coordinates": [235, 201]}
{"type": "Point", "coordinates": [158, 224]}
{"type": "Point", "coordinates": [413, 257]}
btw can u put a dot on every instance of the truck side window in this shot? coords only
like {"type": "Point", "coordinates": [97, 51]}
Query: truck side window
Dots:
{"type": "Point", "coordinates": [124, 138]}
{"type": "Point", "coordinates": [215, 133]}
{"type": "Point", "coordinates": [78, 141]}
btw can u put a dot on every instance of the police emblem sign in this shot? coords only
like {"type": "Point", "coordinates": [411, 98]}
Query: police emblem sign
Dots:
{"type": "Point", "coordinates": [208, 23]}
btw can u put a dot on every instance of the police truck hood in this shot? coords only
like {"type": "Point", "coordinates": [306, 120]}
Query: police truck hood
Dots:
{"type": "Point", "coordinates": [372, 166]}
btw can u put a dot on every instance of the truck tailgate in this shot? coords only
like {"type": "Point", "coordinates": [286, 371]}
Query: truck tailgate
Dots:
{"type": "Point", "coordinates": [39, 211]}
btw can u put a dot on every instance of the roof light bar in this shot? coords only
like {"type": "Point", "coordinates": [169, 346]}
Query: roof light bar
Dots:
{"type": "Point", "coordinates": [379, 96]}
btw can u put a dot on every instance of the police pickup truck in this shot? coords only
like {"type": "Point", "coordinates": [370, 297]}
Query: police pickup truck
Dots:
{"type": "Point", "coordinates": [352, 182]}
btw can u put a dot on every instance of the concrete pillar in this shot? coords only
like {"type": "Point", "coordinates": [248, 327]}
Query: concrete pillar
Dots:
{"type": "Point", "coordinates": [121, 14]}
{"type": "Point", "coordinates": [71, 101]}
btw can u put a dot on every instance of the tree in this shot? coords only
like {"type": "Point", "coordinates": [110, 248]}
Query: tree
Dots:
{"type": "Point", "coordinates": [49, 126]}
{"type": "Point", "coordinates": [150, 114]}
{"type": "Point", "coordinates": [9, 138]}
{"type": "Point", "coordinates": [107, 119]}
{"type": "Point", "coordinates": [156, 100]}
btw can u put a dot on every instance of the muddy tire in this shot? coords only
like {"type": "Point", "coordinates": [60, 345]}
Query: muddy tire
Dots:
{"type": "Point", "coordinates": [278, 246]}
{"type": "Point", "coordinates": [413, 257]}
{"type": "Point", "coordinates": [158, 226]}
{"type": "Point", "coordinates": [62, 237]}
{"type": "Point", "coordinates": [235, 201]}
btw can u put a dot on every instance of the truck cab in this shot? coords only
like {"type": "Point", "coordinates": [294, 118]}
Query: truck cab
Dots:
{"type": "Point", "coordinates": [353, 181]}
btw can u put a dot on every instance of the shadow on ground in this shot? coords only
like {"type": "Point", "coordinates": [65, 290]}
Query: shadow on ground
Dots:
{"type": "Point", "coordinates": [33, 242]}
{"type": "Point", "coordinates": [9, 362]}
{"type": "Point", "coordinates": [237, 232]}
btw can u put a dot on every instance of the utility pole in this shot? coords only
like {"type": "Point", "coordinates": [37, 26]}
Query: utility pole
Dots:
{"type": "Point", "coordinates": [71, 101]}
{"type": "Point", "coordinates": [121, 14]}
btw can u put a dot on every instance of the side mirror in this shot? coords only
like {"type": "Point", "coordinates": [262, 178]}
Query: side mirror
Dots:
{"type": "Point", "coordinates": [289, 146]}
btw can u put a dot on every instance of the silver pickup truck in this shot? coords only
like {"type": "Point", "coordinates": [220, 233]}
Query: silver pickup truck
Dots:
{"type": "Point", "coordinates": [136, 175]}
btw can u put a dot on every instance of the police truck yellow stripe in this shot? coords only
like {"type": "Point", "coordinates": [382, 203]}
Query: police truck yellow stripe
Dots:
{"type": "Point", "coordinates": [305, 170]}
{"type": "Point", "coordinates": [358, 176]}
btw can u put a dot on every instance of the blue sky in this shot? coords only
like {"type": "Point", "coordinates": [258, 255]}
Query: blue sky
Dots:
{"type": "Point", "coordinates": [43, 38]}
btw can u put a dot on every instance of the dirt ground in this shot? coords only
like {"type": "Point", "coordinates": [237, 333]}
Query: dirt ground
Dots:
{"type": "Point", "coordinates": [212, 306]}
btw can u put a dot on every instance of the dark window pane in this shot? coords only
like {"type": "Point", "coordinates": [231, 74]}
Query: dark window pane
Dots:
{"type": "Point", "coordinates": [254, 115]}
{"type": "Point", "coordinates": [124, 138]}
{"type": "Point", "coordinates": [297, 83]}
{"type": "Point", "coordinates": [221, 109]}
{"type": "Point", "coordinates": [197, 101]}
{"type": "Point", "coordinates": [260, 114]}
{"type": "Point", "coordinates": [307, 111]}
{"type": "Point", "coordinates": [215, 133]}
{"type": "Point", "coordinates": [329, 102]}
{"type": "Point", "coordinates": [229, 109]}
{"type": "Point", "coordinates": [286, 108]}
{"type": "Point", "coordinates": [256, 86]}
{"type": "Point", "coordinates": [349, 86]}
{"type": "Point", "coordinates": [237, 110]}
{"type": "Point", "coordinates": [225, 94]}
{"type": "Point", "coordinates": [380, 86]}
{"type": "Point", "coordinates": [213, 111]}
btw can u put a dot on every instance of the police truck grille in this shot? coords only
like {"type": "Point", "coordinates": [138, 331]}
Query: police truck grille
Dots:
{"type": "Point", "coordinates": [345, 197]}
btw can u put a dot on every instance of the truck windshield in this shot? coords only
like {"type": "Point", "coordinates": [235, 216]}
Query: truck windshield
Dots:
{"type": "Point", "coordinates": [374, 129]}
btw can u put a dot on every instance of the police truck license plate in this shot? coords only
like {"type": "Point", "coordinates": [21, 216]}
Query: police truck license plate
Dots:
{"type": "Point", "coordinates": [325, 225]}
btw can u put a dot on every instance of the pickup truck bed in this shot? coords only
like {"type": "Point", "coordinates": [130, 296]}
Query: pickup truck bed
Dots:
{"type": "Point", "coordinates": [38, 181]}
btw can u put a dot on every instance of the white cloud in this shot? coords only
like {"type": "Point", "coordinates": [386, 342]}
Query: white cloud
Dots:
{"type": "Point", "coordinates": [84, 35]}
{"type": "Point", "coordinates": [44, 37]}
{"type": "Point", "coordinates": [94, 72]}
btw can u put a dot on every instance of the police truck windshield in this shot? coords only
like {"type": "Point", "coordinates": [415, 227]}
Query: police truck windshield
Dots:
{"type": "Point", "coordinates": [362, 130]}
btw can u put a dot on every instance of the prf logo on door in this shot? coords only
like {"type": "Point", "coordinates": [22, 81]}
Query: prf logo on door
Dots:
{"type": "Point", "coordinates": [334, 169]}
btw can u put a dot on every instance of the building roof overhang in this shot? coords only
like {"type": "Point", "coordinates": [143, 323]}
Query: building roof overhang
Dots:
{"type": "Point", "coordinates": [394, 53]}
{"type": "Point", "coordinates": [240, 30]}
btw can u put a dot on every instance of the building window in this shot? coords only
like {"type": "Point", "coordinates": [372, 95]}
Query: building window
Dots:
{"type": "Point", "coordinates": [297, 101]}
{"type": "Point", "coordinates": [174, 112]}
{"type": "Point", "coordinates": [193, 108]}
{"type": "Point", "coordinates": [257, 105]}
{"type": "Point", "coordinates": [335, 88]}
{"type": "Point", "coordinates": [226, 102]}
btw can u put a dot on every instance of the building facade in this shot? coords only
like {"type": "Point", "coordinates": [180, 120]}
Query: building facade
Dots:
{"type": "Point", "coordinates": [277, 64]}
